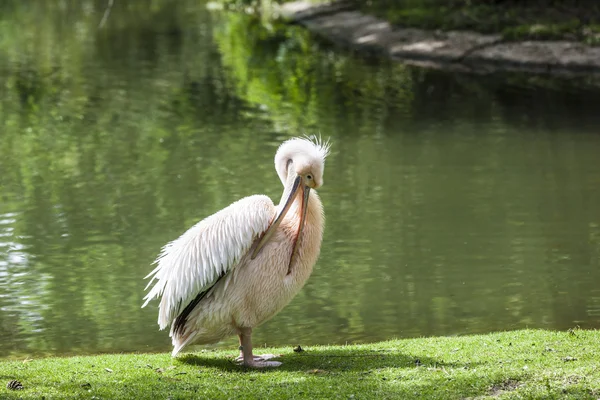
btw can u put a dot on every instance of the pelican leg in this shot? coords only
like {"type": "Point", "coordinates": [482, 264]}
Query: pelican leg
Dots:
{"type": "Point", "coordinates": [246, 357]}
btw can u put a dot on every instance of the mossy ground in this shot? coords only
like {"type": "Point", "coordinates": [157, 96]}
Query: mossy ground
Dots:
{"type": "Point", "coordinates": [519, 364]}
{"type": "Point", "coordinates": [514, 20]}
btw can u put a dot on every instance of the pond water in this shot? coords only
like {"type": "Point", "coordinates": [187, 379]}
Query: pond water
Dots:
{"type": "Point", "coordinates": [455, 204]}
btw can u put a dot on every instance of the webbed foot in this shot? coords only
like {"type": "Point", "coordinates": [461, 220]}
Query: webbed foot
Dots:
{"type": "Point", "coordinates": [248, 359]}
{"type": "Point", "coordinates": [259, 361]}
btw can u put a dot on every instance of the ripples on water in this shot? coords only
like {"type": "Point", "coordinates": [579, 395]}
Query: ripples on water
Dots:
{"type": "Point", "coordinates": [455, 204]}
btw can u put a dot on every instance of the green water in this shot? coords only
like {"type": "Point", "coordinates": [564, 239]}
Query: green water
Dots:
{"type": "Point", "coordinates": [455, 204]}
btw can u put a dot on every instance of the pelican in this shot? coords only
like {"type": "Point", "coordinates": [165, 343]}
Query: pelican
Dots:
{"type": "Point", "coordinates": [239, 267]}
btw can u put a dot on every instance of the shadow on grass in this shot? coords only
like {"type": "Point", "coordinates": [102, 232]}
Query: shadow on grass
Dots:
{"type": "Point", "coordinates": [376, 374]}
{"type": "Point", "coordinates": [330, 360]}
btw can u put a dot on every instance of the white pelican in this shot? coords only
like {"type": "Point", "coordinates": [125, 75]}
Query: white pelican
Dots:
{"type": "Point", "coordinates": [237, 268]}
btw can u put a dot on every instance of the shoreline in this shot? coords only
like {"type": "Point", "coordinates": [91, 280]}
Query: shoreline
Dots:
{"type": "Point", "coordinates": [523, 364]}
{"type": "Point", "coordinates": [450, 50]}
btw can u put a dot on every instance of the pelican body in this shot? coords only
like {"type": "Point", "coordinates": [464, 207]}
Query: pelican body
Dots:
{"type": "Point", "coordinates": [237, 268]}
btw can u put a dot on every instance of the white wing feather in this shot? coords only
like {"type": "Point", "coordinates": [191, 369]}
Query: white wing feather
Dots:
{"type": "Point", "coordinates": [192, 263]}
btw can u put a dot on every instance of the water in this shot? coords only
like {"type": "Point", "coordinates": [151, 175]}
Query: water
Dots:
{"type": "Point", "coordinates": [455, 204]}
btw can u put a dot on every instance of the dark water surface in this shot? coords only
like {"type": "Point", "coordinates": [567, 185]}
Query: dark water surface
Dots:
{"type": "Point", "coordinates": [455, 204]}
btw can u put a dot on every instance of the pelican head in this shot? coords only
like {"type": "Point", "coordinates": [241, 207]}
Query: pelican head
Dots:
{"type": "Point", "coordinates": [304, 158]}
{"type": "Point", "coordinates": [299, 163]}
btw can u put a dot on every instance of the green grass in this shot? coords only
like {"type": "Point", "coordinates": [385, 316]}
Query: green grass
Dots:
{"type": "Point", "coordinates": [520, 364]}
{"type": "Point", "coordinates": [514, 20]}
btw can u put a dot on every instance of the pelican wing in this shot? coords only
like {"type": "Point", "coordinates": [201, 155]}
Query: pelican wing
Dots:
{"type": "Point", "coordinates": [193, 263]}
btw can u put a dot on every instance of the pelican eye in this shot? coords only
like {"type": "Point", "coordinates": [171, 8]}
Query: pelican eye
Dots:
{"type": "Point", "coordinates": [309, 177]}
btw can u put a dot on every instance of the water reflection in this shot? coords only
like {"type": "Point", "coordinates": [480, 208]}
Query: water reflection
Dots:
{"type": "Point", "coordinates": [454, 204]}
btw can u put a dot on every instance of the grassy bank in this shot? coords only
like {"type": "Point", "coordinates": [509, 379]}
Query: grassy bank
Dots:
{"type": "Point", "coordinates": [514, 20]}
{"type": "Point", "coordinates": [520, 364]}
{"type": "Point", "coordinates": [576, 20]}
